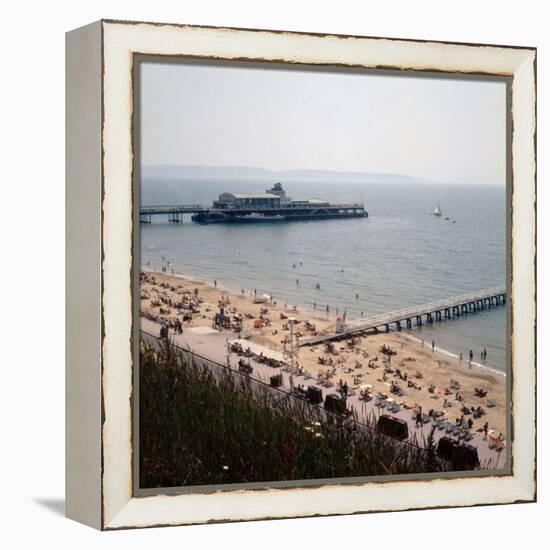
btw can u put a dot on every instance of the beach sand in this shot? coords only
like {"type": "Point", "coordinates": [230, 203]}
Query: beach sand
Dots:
{"type": "Point", "coordinates": [160, 291]}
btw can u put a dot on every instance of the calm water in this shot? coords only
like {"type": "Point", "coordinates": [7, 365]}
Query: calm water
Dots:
{"type": "Point", "coordinates": [397, 257]}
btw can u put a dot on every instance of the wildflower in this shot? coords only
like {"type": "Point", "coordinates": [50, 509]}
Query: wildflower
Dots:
{"type": "Point", "coordinates": [225, 468]}
{"type": "Point", "coordinates": [318, 434]}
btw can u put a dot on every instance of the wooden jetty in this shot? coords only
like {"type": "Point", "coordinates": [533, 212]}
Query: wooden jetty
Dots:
{"type": "Point", "coordinates": [426, 313]}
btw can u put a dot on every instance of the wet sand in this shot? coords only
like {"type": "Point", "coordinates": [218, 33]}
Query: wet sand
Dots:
{"type": "Point", "coordinates": [160, 292]}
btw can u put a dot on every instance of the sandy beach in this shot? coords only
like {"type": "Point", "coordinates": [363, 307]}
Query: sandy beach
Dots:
{"type": "Point", "coordinates": [423, 375]}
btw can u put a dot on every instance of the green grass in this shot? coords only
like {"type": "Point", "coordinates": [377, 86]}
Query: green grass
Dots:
{"type": "Point", "coordinates": [201, 425]}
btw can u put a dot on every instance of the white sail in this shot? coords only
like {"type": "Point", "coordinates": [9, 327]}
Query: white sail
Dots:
{"type": "Point", "coordinates": [437, 210]}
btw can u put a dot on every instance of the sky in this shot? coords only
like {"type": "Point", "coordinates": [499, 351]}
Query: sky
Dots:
{"type": "Point", "coordinates": [443, 130]}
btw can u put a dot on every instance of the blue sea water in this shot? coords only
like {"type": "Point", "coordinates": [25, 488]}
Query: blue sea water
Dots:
{"type": "Point", "coordinates": [399, 256]}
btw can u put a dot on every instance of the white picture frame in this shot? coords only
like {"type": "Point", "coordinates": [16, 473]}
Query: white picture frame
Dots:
{"type": "Point", "coordinates": [99, 371]}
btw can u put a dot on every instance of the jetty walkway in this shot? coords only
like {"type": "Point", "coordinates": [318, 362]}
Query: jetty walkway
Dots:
{"type": "Point", "coordinates": [442, 309]}
{"type": "Point", "coordinates": [175, 212]}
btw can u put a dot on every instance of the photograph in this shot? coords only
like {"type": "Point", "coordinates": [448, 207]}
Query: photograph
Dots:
{"type": "Point", "coordinates": [323, 261]}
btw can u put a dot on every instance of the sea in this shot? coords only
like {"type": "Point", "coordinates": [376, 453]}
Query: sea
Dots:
{"type": "Point", "coordinates": [400, 256]}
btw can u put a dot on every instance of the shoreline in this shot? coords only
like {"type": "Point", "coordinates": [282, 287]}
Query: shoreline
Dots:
{"type": "Point", "coordinates": [464, 366]}
{"type": "Point", "coordinates": [301, 308]}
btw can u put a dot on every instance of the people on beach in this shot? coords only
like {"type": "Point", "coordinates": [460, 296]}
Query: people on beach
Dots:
{"type": "Point", "coordinates": [215, 283]}
{"type": "Point", "coordinates": [418, 418]}
{"type": "Point", "coordinates": [345, 390]}
{"type": "Point", "coordinates": [339, 361]}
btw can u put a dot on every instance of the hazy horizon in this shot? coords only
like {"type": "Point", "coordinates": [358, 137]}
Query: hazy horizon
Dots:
{"type": "Point", "coordinates": [435, 130]}
{"type": "Point", "coordinates": [269, 175]}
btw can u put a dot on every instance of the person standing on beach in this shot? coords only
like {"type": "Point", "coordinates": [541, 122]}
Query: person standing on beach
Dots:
{"type": "Point", "coordinates": [461, 357]}
{"type": "Point", "coordinates": [433, 345]}
{"type": "Point", "coordinates": [327, 308]}
{"type": "Point", "coordinates": [215, 283]}
{"type": "Point", "coordinates": [471, 355]}
{"type": "Point", "coordinates": [419, 417]}
{"type": "Point", "coordinates": [485, 430]}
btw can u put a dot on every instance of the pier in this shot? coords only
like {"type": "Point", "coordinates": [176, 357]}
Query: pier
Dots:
{"type": "Point", "coordinates": [427, 313]}
{"type": "Point", "coordinates": [294, 212]}
{"type": "Point", "coordinates": [272, 206]}
{"type": "Point", "coordinates": [175, 212]}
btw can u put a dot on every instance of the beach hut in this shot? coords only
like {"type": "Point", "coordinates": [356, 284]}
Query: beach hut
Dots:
{"type": "Point", "coordinates": [393, 427]}
{"type": "Point", "coordinates": [462, 456]}
{"type": "Point", "coordinates": [335, 404]}
{"type": "Point", "coordinates": [340, 325]}
{"type": "Point", "coordinates": [314, 395]}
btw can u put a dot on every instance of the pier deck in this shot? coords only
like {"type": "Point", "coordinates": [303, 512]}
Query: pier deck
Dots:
{"type": "Point", "coordinates": [175, 212]}
{"type": "Point", "coordinates": [292, 212]}
{"type": "Point", "coordinates": [442, 309]}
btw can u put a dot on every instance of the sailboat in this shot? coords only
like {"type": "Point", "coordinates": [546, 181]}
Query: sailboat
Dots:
{"type": "Point", "coordinates": [437, 210]}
